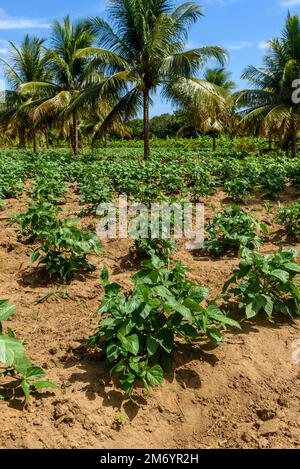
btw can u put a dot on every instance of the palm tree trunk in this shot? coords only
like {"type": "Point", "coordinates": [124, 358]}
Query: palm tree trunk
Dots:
{"type": "Point", "coordinates": [214, 141]}
{"type": "Point", "coordinates": [22, 139]}
{"type": "Point", "coordinates": [294, 145]}
{"type": "Point", "coordinates": [75, 135]}
{"type": "Point", "coordinates": [35, 145]}
{"type": "Point", "coordinates": [146, 126]}
{"type": "Point", "coordinates": [71, 138]}
{"type": "Point", "coordinates": [46, 133]}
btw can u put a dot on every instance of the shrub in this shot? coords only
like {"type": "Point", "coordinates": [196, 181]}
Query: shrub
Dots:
{"type": "Point", "coordinates": [266, 283]}
{"type": "Point", "coordinates": [48, 189]}
{"type": "Point", "coordinates": [232, 229]}
{"type": "Point", "coordinates": [238, 188]}
{"type": "Point", "coordinates": [40, 217]}
{"type": "Point", "coordinates": [162, 245]}
{"type": "Point", "coordinates": [273, 177]}
{"type": "Point", "coordinates": [139, 327]}
{"type": "Point", "coordinates": [65, 248]}
{"type": "Point", "coordinates": [94, 191]}
{"type": "Point", "coordinates": [290, 218]}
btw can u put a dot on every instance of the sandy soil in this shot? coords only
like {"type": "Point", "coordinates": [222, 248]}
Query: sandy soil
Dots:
{"type": "Point", "coordinates": [244, 394]}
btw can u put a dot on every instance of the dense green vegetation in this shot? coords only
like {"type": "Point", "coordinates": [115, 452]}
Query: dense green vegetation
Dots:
{"type": "Point", "coordinates": [185, 171]}
{"type": "Point", "coordinates": [137, 329]}
{"type": "Point", "coordinates": [95, 77]}
{"type": "Point", "coordinates": [76, 102]}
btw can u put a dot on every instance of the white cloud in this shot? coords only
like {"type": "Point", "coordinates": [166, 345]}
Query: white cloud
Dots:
{"type": "Point", "coordinates": [3, 49]}
{"type": "Point", "coordinates": [289, 3]}
{"type": "Point", "coordinates": [14, 22]}
{"type": "Point", "coordinates": [263, 45]}
{"type": "Point", "coordinates": [238, 45]}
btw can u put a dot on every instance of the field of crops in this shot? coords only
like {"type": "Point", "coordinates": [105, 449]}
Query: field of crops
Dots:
{"type": "Point", "coordinates": [122, 341]}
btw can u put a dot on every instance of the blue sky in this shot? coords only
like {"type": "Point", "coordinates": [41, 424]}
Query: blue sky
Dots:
{"type": "Point", "coordinates": [242, 26]}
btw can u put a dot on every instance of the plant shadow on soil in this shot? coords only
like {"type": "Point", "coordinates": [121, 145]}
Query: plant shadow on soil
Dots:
{"type": "Point", "coordinates": [38, 277]}
{"type": "Point", "coordinates": [15, 397]}
{"type": "Point", "coordinates": [97, 381]}
{"type": "Point", "coordinates": [253, 326]}
{"type": "Point", "coordinates": [279, 237]}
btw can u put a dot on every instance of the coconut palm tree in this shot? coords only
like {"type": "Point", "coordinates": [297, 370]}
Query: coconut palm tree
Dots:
{"type": "Point", "coordinates": [220, 77]}
{"type": "Point", "coordinates": [205, 102]}
{"type": "Point", "coordinates": [149, 37]}
{"type": "Point", "coordinates": [27, 63]}
{"type": "Point", "coordinates": [70, 75]}
{"type": "Point", "coordinates": [268, 106]}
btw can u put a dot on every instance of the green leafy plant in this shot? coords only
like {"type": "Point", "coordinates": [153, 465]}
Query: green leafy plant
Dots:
{"type": "Point", "coordinates": [266, 283]}
{"type": "Point", "coordinates": [65, 248]}
{"type": "Point", "coordinates": [289, 217]}
{"type": "Point", "coordinates": [238, 188]}
{"type": "Point", "coordinates": [40, 217]}
{"type": "Point", "coordinates": [232, 229]}
{"type": "Point", "coordinates": [14, 362]}
{"type": "Point", "coordinates": [137, 329]}
{"type": "Point", "coordinates": [161, 244]}
{"type": "Point", "coordinates": [48, 189]}
{"type": "Point", "coordinates": [120, 419]}
{"type": "Point", "coordinates": [274, 177]}
{"type": "Point", "coordinates": [95, 190]}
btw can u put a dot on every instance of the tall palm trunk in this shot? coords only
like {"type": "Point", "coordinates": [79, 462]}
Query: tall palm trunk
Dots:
{"type": "Point", "coordinates": [71, 137]}
{"type": "Point", "coordinates": [35, 144]}
{"type": "Point", "coordinates": [46, 133]}
{"type": "Point", "coordinates": [75, 135]}
{"type": "Point", "coordinates": [294, 145]}
{"type": "Point", "coordinates": [22, 139]}
{"type": "Point", "coordinates": [214, 141]}
{"type": "Point", "coordinates": [146, 125]}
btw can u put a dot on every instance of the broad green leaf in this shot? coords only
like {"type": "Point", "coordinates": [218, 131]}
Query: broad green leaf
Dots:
{"type": "Point", "coordinates": [108, 322]}
{"type": "Point", "coordinates": [127, 382]}
{"type": "Point", "coordinates": [113, 352]}
{"type": "Point", "coordinates": [33, 373]}
{"type": "Point", "coordinates": [157, 262]}
{"type": "Point", "coordinates": [130, 343]}
{"type": "Point", "coordinates": [45, 384]}
{"type": "Point", "coordinates": [105, 276]}
{"type": "Point", "coordinates": [293, 267]}
{"type": "Point", "coordinates": [269, 306]}
{"type": "Point", "coordinates": [152, 345]}
{"type": "Point", "coordinates": [185, 312]}
{"type": "Point", "coordinates": [155, 375]}
{"type": "Point", "coordinates": [193, 305]}
{"type": "Point", "coordinates": [34, 256]}
{"type": "Point", "coordinates": [164, 338]}
{"type": "Point", "coordinates": [162, 291]}
{"type": "Point", "coordinates": [215, 335]}
{"type": "Point", "coordinates": [250, 312]}
{"type": "Point", "coordinates": [167, 340]}
{"type": "Point", "coordinates": [281, 275]}
{"type": "Point", "coordinates": [12, 353]}
{"type": "Point", "coordinates": [6, 310]}
{"type": "Point", "coordinates": [119, 368]}
{"type": "Point", "coordinates": [221, 318]}
{"type": "Point", "coordinates": [26, 388]}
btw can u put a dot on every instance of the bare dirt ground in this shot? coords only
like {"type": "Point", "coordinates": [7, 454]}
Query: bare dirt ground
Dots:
{"type": "Point", "coordinates": [245, 394]}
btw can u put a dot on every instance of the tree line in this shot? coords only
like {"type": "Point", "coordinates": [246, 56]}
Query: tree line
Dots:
{"type": "Point", "coordinates": [93, 77]}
